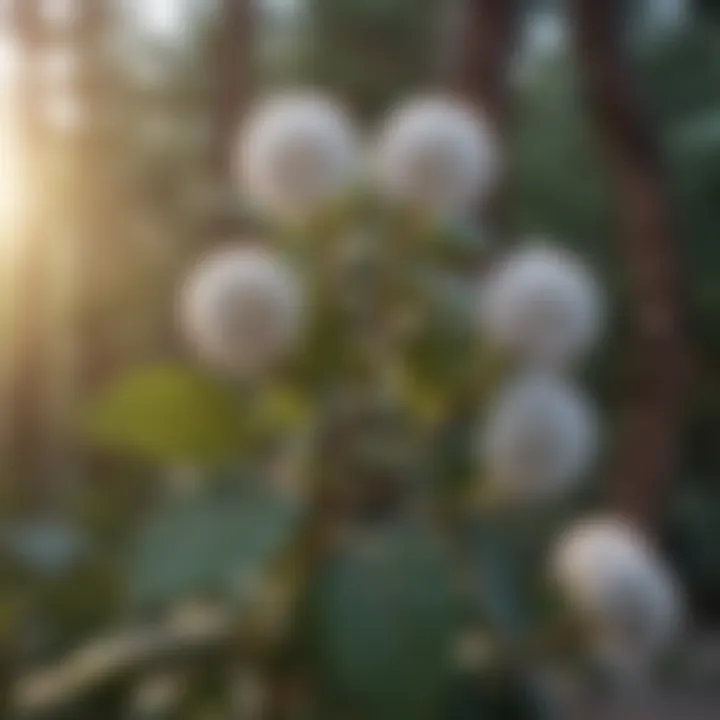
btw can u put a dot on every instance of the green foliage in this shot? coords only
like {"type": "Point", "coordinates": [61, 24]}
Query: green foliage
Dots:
{"type": "Point", "coordinates": [694, 539]}
{"type": "Point", "coordinates": [498, 697]}
{"type": "Point", "coordinates": [561, 185]}
{"type": "Point", "coordinates": [503, 579]}
{"type": "Point", "coordinates": [709, 8]}
{"type": "Point", "coordinates": [383, 615]}
{"type": "Point", "coordinates": [223, 543]}
{"type": "Point", "coordinates": [171, 413]}
{"type": "Point", "coordinates": [177, 414]}
{"type": "Point", "coordinates": [371, 51]}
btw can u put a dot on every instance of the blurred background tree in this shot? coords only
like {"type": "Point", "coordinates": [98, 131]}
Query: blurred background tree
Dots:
{"type": "Point", "coordinates": [371, 52]}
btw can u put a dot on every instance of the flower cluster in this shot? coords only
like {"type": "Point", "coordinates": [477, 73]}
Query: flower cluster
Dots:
{"type": "Point", "coordinates": [539, 436]}
{"type": "Point", "coordinates": [616, 581]}
{"type": "Point", "coordinates": [542, 308]}
{"type": "Point", "coordinates": [542, 305]}
{"type": "Point", "coordinates": [436, 154]}
{"type": "Point", "coordinates": [243, 310]}
{"type": "Point", "coordinates": [298, 154]}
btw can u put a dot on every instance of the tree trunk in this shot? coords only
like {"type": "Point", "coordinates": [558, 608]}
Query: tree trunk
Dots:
{"type": "Point", "coordinates": [489, 31]}
{"type": "Point", "coordinates": [28, 368]}
{"type": "Point", "coordinates": [648, 445]}
{"type": "Point", "coordinates": [234, 79]}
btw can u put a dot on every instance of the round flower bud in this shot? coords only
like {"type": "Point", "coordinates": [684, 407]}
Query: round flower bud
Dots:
{"type": "Point", "coordinates": [538, 438]}
{"type": "Point", "coordinates": [436, 154]}
{"type": "Point", "coordinates": [297, 153]}
{"type": "Point", "coordinates": [242, 309]}
{"type": "Point", "coordinates": [542, 305]}
{"type": "Point", "coordinates": [615, 580]}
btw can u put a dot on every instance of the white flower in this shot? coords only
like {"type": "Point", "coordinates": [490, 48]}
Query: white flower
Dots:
{"type": "Point", "coordinates": [297, 153]}
{"type": "Point", "coordinates": [538, 439]}
{"type": "Point", "coordinates": [436, 153]}
{"type": "Point", "coordinates": [242, 309]}
{"type": "Point", "coordinates": [542, 305]}
{"type": "Point", "coordinates": [613, 578]}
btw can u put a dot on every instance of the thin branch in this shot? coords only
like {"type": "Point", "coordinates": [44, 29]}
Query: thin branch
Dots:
{"type": "Point", "coordinates": [649, 248]}
{"type": "Point", "coordinates": [121, 656]}
{"type": "Point", "coordinates": [488, 36]}
{"type": "Point", "coordinates": [234, 77]}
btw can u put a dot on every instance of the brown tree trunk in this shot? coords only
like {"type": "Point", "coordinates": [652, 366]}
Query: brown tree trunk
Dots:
{"type": "Point", "coordinates": [234, 79]}
{"type": "Point", "coordinates": [91, 198]}
{"type": "Point", "coordinates": [55, 351]}
{"type": "Point", "coordinates": [28, 369]}
{"type": "Point", "coordinates": [648, 445]}
{"type": "Point", "coordinates": [488, 34]}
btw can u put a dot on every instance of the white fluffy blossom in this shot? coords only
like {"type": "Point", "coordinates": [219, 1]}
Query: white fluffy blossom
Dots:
{"type": "Point", "coordinates": [538, 439]}
{"type": "Point", "coordinates": [242, 309]}
{"type": "Point", "coordinates": [436, 153]}
{"type": "Point", "coordinates": [297, 152]}
{"type": "Point", "coordinates": [542, 305]}
{"type": "Point", "coordinates": [616, 581]}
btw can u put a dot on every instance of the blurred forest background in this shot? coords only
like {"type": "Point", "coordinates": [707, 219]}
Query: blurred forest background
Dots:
{"type": "Point", "coordinates": [116, 129]}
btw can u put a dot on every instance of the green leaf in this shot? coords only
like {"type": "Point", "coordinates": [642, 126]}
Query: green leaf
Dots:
{"type": "Point", "coordinates": [169, 413]}
{"type": "Point", "coordinates": [507, 551]}
{"type": "Point", "coordinates": [500, 587]}
{"type": "Point", "coordinates": [454, 456]}
{"type": "Point", "coordinates": [701, 134]}
{"type": "Point", "coordinates": [220, 544]}
{"type": "Point", "coordinates": [460, 245]}
{"type": "Point", "coordinates": [497, 696]}
{"type": "Point", "coordinates": [382, 626]}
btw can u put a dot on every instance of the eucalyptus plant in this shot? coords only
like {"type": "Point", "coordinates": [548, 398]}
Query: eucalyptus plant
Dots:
{"type": "Point", "coordinates": [390, 429]}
